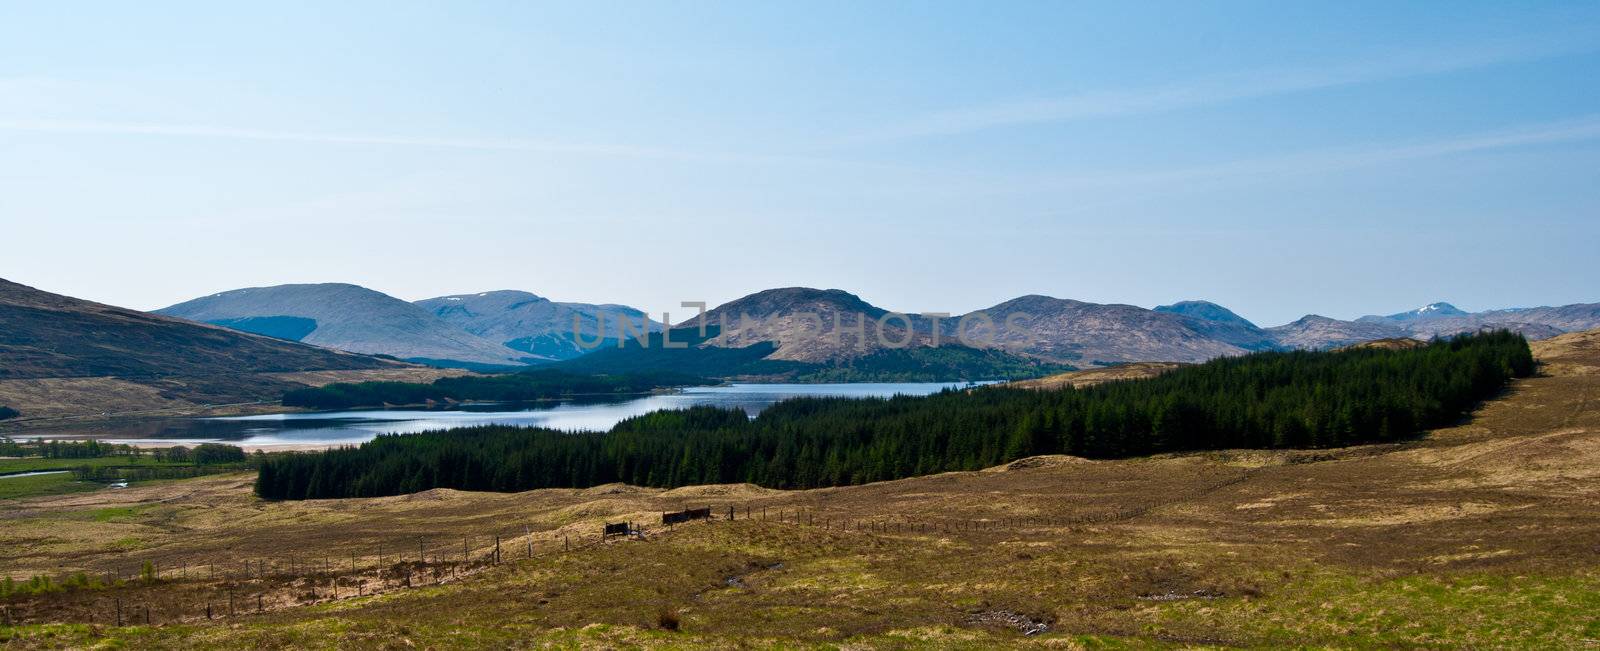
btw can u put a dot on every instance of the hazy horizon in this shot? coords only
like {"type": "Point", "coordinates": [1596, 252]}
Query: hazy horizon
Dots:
{"type": "Point", "coordinates": [1278, 160]}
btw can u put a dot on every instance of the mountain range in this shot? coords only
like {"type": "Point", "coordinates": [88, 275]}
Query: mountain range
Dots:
{"type": "Point", "coordinates": [61, 356]}
{"type": "Point", "coordinates": [484, 330]}
{"type": "Point", "coordinates": [819, 326]}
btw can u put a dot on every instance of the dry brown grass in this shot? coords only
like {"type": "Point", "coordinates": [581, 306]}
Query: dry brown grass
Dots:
{"type": "Point", "coordinates": [1093, 376]}
{"type": "Point", "coordinates": [1484, 534]}
{"type": "Point", "coordinates": [1397, 343]}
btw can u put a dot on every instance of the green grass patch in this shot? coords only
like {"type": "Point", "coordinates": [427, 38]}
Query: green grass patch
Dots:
{"type": "Point", "coordinates": [1468, 610]}
{"type": "Point", "coordinates": [117, 513]}
{"type": "Point", "coordinates": [32, 464]}
{"type": "Point", "coordinates": [127, 544]}
{"type": "Point", "coordinates": [12, 488]}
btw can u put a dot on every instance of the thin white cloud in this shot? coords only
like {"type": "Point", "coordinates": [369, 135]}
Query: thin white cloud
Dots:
{"type": "Point", "coordinates": [238, 133]}
{"type": "Point", "coordinates": [1123, 186]}
{"type": "Point", "coordinates": [1328, 160]}
{"type": "Point", "coordinates": [94, 127]}
{"type": "Point", "coordinates": [1215, 89]}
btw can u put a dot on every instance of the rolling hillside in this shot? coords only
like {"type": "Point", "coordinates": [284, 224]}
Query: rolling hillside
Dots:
{"type": "Point", "coordinates": [346, 317]}
{"type": "Point", "coordinates": [1315, 332]}
{"type": "Point", "coordinates": [64, 356]}
{"type": "Point", "coordinates": [534, 325]}
{"type": "Point", "coordinates": [1092, 334]}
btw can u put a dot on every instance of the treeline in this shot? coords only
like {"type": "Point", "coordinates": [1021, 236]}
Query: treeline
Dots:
{"type": "Point", "coordinates": [541, 384]}
{"type": "Point", "coordinates": [1263, 400]}
{"type": "Point", "coordinates": [948, 362]}
{"type": "Point", "coordinates": [204, 454]}
{"type": "Point", "coordinates": [106, 474]}
{"type": "Point", "coordinates": [931, 364]}
{"type": "Point", "coordinates": [90, 449]}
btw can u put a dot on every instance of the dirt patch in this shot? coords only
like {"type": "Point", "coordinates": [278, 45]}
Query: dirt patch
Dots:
{"type": "Point", "coordinates": [1024, 624]}
{"type": "Point", "coordinates": [731, 491]}
{"type": "Point", "coordinates": [1039, 462]}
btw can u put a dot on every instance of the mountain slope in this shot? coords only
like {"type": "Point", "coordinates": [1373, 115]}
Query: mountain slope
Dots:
{"type": "Point", "coordinates": [1205, 311]}
{"type": "Point", "coordinates": [1218, 322]}
{"type": "Point", "coordinates": [62, 356]}
{"type": "Point", "coordinates": [1316, 332]}
{"type": "Point", "coordinates": [812, 325]}
{"type": "Point", "coordinates": [805, 334]}
{"type": "Point", "coordinates": [540, 327]}
{"type": "Point", "coordinates": [1082, 334]}
{"type": "Point", "coordinates": [1426, 312]}
{"type": "Point", "coordinates": [1577, 317]}
{"type": "Point", "coordinates": [346, 317]}
{"type": "Point", "coordinates": [44, 335]}
{"type": "Point", "coordinates": [1444, 319]}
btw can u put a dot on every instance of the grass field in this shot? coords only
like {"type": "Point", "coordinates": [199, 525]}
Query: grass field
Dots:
{"type": "Point", "coordinates": [40, 485]}
{"type": "Point", "coordinates": [64, 484]}
{"type": "Point", "coordinates": [1481, 535]}
{"type": "Point", "coordinates": [32, 464]}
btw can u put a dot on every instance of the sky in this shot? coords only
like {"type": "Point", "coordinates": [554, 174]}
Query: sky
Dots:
{"type": "Point", "coordinates": [1278, 158]}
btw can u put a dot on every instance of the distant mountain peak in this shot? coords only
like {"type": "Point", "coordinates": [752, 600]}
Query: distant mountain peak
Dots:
{"type": "Point", "coordinates": [1205, 310]}
{"type": "Point", "coordinates": [1440, 310]}
{"type": "Point", "coordinates": [495, 300]}
{"type": "Point", "coordinates": [503, 294]}
{"type": "Point", "coordinates": [786, 299]}
{"type": "Point", "coordinates": [1436, 309]}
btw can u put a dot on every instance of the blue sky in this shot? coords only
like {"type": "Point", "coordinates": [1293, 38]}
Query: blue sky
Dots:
{"type": "Point", "coordinates": [1278, 158]}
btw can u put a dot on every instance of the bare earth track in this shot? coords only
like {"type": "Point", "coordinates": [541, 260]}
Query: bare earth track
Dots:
{"type": "Point", "coordinates": [1481, 535]}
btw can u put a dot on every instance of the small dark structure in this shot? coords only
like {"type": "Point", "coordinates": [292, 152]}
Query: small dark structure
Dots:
{"type": "Point", "coordinates": [619, 529]}
{"type": "Point", "coordinates": [686, 515]}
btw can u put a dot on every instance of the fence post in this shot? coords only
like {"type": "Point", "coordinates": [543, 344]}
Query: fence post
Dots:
{"type": "Point", "coordinates": [497, 549]}
{"type": "Point", "coordinates": [119, 611]}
